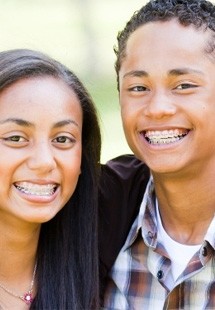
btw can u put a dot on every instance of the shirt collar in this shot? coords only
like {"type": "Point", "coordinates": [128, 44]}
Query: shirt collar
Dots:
{"type": "Point", "coordinates": [146, 222]}
{"type": "Point", "coordinates": [210, 235]}
{"type": "Point", "coordinates": [146, 219]}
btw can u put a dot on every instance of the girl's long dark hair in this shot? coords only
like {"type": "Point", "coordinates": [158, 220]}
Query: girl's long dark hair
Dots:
{"type": "Point", "coordinates": [67, 256]}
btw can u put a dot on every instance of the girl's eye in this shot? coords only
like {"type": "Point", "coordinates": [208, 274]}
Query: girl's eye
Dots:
{"type": "Point", "coordinates": [64, 141]}
{"type": "Point", "coordinates": [15, 139]}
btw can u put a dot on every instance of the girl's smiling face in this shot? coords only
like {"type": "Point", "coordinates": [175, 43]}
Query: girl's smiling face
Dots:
{"type": "Point", "coordinates": [40, 148]}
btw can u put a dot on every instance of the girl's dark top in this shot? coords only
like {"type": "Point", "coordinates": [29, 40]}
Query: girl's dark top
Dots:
{"type": "Point", "coordinates": [122, 186]}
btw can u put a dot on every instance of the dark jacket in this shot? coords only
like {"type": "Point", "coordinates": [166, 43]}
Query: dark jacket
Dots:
{"type": "Point", "coordinates": [122, 186]}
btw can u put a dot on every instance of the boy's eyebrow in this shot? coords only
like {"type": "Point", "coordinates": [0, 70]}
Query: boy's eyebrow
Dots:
{"type": "Point", "coordinates": [22, 122]}
{"type": "Point", "coordinates": [183, 71]}
{"type": "Point", "coordinates": [137, 73]}
{"type": "Point", "coordinates": [173, 72]}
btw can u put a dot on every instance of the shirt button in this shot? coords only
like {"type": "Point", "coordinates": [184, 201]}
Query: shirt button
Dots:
{"type": "Point", "coordinates": [204, 251]}
{"type": "Point", "coordinates": [160, 274]}
{"type": "Point", "coordinates": [150, 235]}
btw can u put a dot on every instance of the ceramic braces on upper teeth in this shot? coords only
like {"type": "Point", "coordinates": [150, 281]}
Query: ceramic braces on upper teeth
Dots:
{"type": "Point", "coordinates": [37, 190]}
{"type": "Point", "coordinates": [164, 137]}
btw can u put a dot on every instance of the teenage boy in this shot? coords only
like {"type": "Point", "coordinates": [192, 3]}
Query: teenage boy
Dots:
{"type": "Point", "coordinates": [159, 227]}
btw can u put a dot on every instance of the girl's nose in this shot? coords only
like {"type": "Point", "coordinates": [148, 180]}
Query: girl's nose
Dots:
{"type": "Point", "coordinates": [42, 158]}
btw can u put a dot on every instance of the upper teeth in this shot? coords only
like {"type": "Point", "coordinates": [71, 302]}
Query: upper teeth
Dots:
{"type": "Point", "coordinates": [36, 189]}
{"type": "Point", "coordinates": [164, 136]}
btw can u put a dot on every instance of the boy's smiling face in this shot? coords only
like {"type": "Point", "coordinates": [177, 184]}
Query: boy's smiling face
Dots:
{"type": "Point", "coordinates": [167, 97]}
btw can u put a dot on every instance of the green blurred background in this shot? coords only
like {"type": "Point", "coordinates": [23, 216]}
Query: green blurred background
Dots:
{"type": "Point", "coordinates": [81, 34]}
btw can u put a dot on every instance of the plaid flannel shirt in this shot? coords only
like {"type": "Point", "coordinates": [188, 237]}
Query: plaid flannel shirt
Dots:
{"type": "Point", "coordinates": [138, 279]}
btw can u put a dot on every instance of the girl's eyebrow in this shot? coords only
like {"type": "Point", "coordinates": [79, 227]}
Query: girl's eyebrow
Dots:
{"type": "Point", "coordinates": [22, 122]}
{"type": "Point", "coordinates": [17, 121]}
{"type": "Point", "coordinates": [65, 122]}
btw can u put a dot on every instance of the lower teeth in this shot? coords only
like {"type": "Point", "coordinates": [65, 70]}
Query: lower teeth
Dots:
{"type": "Point", "coordinates": [164, 141]}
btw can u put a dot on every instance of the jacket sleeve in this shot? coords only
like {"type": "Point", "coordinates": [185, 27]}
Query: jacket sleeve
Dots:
{"type": "Point", "coordinates": [122, 185]}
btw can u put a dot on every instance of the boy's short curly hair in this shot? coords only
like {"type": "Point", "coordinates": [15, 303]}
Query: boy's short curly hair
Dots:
{"type": "Point", "coordinates": [199, 13]}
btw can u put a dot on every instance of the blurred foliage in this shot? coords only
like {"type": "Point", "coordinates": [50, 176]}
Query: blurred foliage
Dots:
{"type": "Point", "coordinates": [105, 95]}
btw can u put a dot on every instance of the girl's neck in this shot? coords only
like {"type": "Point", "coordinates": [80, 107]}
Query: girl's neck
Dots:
{"type": "Point", "coordinates": [18, 246]}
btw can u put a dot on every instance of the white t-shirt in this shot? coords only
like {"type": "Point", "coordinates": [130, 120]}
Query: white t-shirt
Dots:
{"type": "Point", "coordinates": [180, 254]}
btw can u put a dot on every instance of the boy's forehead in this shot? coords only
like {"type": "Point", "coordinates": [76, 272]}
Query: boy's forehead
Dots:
{"type": "Point", "coordinates": [167, 34]}
{"type": "Point", "coordinates": [172, 26]}
{"type": "Point", "coordinates": [159, 47]}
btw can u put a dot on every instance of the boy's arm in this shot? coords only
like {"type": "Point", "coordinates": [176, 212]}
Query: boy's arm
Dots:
{"type": "Point", "coordinates": [122, 185]}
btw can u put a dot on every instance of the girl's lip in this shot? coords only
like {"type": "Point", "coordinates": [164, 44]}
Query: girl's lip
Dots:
{"type": "Point", "coordinates": [37, 181]}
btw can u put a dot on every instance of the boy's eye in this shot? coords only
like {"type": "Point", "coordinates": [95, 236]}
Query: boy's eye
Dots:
{"type": "Point", "coordinates": [138, 88]}
{"type": "Point", "coordinates": [186, 86]}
